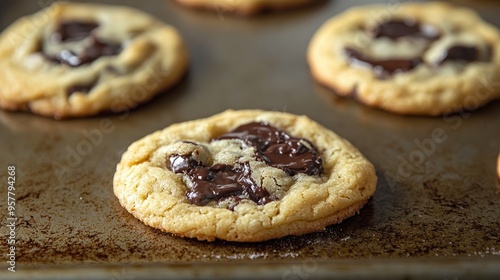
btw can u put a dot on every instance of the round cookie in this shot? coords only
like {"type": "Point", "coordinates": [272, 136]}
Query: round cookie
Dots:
{"type": "Point", "coordinates": [413, 58]}
{"type": "Point", "coordinates": [245, 7]}
{"type": "Point", "coordinates": [243, 176]}
{"type": "Point", "coordinates": [76, 60]}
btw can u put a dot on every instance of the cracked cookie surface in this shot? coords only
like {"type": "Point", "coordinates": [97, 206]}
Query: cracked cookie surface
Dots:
{"type": "Point", "coordinates": [77, 60]}
{"type": "Point", "coordinates": [413, 58]}
{"type": "Point", "coordinates": [243, 176]}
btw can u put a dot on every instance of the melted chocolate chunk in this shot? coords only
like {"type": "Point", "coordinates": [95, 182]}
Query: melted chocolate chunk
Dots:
{"type": "Point", "coordinates": [278, 149]}
{"type": "Point", "coordinates": [463, 53]}
{"type": "Point", "coordinates": [218, 182]}
{"type": "Point", "coordinates": [73, 31]}
{"type": "Point", "coordinates": [398, 28]}
{"type": "Point", "coordinates": [224, 182]}
{"type": "Point", "coordinates": [381, 67]}
{"type": "Point", "coordinates": [88, 54]}
{"type": "Point", "coordinates": [98, 49]}
{"type": "Point", "coordinates": [182, 164]}
{"type": "Point", "coordinates": [393, 29]}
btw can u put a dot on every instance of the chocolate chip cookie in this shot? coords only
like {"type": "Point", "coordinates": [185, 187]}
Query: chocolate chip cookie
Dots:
{"type": "Point", "coordinates": [415, 58]}
{"type": "Point", "coordinates": [244, 7]}
{"type": "Point", "coordinates": [243, 176]}
{"type": "Point", "coordinates": [76, 60]}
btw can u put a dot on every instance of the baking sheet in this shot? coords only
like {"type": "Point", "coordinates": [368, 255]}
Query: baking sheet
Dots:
{"type": "Point", "coordinates": [435, 212]}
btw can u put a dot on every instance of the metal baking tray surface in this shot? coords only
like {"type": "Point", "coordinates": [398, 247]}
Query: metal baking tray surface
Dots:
{"type": "Point", "coordinates": [436, 211]}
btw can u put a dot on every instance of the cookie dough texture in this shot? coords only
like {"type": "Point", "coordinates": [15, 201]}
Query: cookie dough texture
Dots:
{"type": "Point", "coordinates": [425, 90]}
{"type": "Point", "coordinates": [152, 59]}
{"type": "Point", "coordinates": [245, 7]}
{"type": "Point", "coordinates": [157, 196]}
